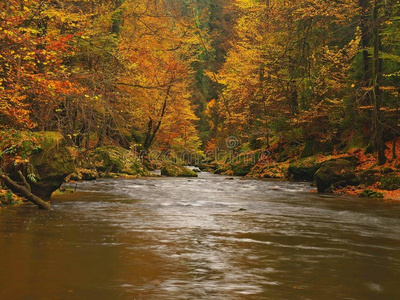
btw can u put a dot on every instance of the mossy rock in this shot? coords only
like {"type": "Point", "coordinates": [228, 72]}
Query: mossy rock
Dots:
{"type": "Point", "coordinates": [84, 174]}
{"type": "Point", "coordinates": [372, 194]}
{"type": "Point", "coordinates": [172, 170]}
{"type": "Point", "coordinates": [242, 164]}
{"type": "Point", "coordinates": [50, 162]}
{"type": "Point", "coordinates": [196, 170]}
{"type": "Point", "coordinates": [64, 191]}
{"type": "Point", "coordinates": [116, 159]}
{"type": "Point", "coordinates": [109, 158]}
{"type": "Point", "coordinates": [241, 169]}
{"type": "Point", "coordinates": [390, 183]}
{"type": "Point", "coordinates": [51, 166]}
{"type": "Point", "coordinates": [337, 173]}
{"type": "Point", "coordinates": [304, 169]}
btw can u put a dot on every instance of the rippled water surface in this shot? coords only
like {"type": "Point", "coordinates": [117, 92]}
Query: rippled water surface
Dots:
{"type": "Point", "coordinates": [208, 238]}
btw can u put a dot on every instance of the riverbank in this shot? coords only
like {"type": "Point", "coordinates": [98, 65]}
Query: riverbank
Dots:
{"type": "Point", "coordinates": [354, 172]}
{"type": "Point", "coordinates": [36, 164]}
{"type": "Point", "coordinates": [39, 163]}
{"type": "Point", "coordinates": [46, 162]}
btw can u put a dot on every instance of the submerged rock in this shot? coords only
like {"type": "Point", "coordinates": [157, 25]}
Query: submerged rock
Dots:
{"type": "Point", "coordinates": [333, 174]}
{"type": "Point", "coordinates": [173, 170]}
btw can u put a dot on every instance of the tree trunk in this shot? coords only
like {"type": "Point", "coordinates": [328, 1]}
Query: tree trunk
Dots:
{"type": "Point", "coordinates": [377, 76]}
{"type": "Point", "coordinates": [151, 133]}
{"type": "Point", "coordinates": [15, 187]}
{"type": "Point", "coordinates": [365, 40]}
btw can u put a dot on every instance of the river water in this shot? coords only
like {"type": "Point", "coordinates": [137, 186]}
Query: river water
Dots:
{"type": "Point", "coordinates": [212, 237]}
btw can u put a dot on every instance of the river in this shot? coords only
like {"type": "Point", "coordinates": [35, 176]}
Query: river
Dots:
{"type": "Point", "coordinates": [213, 237]}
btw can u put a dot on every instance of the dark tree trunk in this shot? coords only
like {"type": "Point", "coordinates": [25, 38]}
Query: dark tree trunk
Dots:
{"type": "Point", "coordinates": [377, 77]}
{"type": "Point", "coordinates": [151, 130]}
{"type": "Point", "coordinates": [365, 39]}
{"type": "Point", "coordinates": [24, 190]}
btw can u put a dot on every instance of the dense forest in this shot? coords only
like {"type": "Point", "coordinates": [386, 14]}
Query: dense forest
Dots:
{"type": "Point", "coordinates": [288, 82]}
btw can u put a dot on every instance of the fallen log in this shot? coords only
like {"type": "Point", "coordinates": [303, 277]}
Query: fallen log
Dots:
{"type": "Point", "coordinates": [15, 187]}
{"type": "Point", "coordinates": [26, 184]}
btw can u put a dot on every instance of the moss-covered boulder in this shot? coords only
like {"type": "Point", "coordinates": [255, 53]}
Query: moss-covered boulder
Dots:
{"type": "Point", "coordinates": [51, 165]}
{"type": "Point", "coordinates": [304, 169]}
{"type": "Point", "coordinates": [173, 170]}
{"type": "Point", "coordinates": [241, 169]}
{"type": "Point", "coordinates": [334, 174]}
{"type": "Point", "coordinates": [42, 156]}
{"type": "Point", "coordinates": [116, 159]}
{"type": "Point", "coordinates": [243, 163]}
{"type": "Point", "coordinates": [84, 174]}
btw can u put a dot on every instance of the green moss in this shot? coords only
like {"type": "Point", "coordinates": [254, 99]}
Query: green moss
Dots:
{"type": "Point", "coordinates": [63, 191]}
{"type": "Point", "coordinates": [83, 174]}
{"type": "Point", "coordinates": [25, 143]}
{"type": "Point", "coordinates": [390, 183]}
{"type": "Point", "coordinates": [49, 160]}
{"type": "Point", "coordinates": [336, 173]}
{"type": "Point", "coordinates": [357, 142]}
{"type": "Point", "coordinates": [242, 164]}
{"type": "Point", "coordinates": [109, 158]}
{"type": "Point", "coordinates": [117, 160]}
{"type": "Point", "coordinates": [173, 170]}
{"type": "Point", "coordinates": [304, 169]}
{"type": "Point", "coordinates": [51, 167]}
{"type": "Point", "coordinates": [372, 194]}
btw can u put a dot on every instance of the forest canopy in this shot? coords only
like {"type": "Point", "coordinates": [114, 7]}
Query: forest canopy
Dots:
{"type": "Point", "coordinates": [186, 75]}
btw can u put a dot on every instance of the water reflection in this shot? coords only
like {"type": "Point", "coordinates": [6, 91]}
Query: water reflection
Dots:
{"type": "Point", "coordinates": [205, 238]}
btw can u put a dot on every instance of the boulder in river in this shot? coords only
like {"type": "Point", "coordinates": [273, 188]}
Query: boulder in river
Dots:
{"type": "Point", "coordinates": [43, 157]}
{"type": "Point", "coordinates": [174, 170]}
{"type": "Point", "coordinates": [51, 165]}
{"type": "Point", "coordinates": [117, 160]}
{"type": "Point", "coordinates": [84, 174]}
{"type": "Point", "coordinates": [334, 174]}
